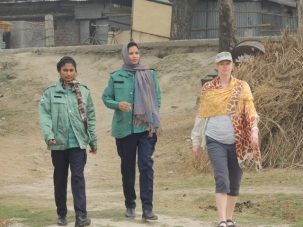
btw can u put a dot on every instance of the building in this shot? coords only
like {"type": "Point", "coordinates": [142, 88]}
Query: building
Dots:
{"type": "Point", "coordinates": [252, 18]}
{"type": "Point", "coordinates": [77, 22]}
{"type": "Point", "coordinates": [151, 20]}
{"type": "Point", "coordinates": [74, 21]}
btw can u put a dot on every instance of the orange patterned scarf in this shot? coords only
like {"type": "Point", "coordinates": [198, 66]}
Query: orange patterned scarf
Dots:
{"type": "Point", "coordinates": [237, 101]}
{"type": "Point", "coordinates": [81, 106]}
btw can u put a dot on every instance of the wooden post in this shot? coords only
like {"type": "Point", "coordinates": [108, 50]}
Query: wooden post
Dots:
{"type": "Point", "coordinates": [300, 19]}
{"type": "Point", "coordinates": [49, 31]}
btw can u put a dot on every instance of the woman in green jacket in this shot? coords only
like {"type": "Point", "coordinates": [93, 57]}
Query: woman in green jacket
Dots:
{"type": "Point", "coordinates": [67, 119]}
{"type": "Point", "coordinates": [134, 94]}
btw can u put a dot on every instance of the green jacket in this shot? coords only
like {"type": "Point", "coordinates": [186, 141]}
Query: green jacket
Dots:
{"type": "Point", "coordinates": [57, 108]}
{"type": "Point", "coordinates": [121, 88]}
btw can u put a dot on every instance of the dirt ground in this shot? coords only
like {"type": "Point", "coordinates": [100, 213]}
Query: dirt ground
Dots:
{"type": "Point", "coordinates": [26, 170]}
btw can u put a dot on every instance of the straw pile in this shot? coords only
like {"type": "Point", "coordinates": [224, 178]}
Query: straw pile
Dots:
{"type": "Point", "coordinates": [276, 80]}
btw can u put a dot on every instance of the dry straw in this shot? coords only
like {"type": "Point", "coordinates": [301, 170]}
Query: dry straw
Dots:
{"type": "Point", "coordinates": [276, 80]}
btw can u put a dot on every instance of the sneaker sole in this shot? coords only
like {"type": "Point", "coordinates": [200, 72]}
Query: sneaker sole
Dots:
{"type": "Point", "coordinates": [150, 219]}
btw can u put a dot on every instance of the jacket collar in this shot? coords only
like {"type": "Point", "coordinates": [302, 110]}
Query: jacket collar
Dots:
{"type": "Point", "coordinates": [125, 73]}
{"type": "Point", "coordinates": [59, 88]}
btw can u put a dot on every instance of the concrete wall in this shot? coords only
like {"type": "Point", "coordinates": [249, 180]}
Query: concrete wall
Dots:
{"type": "Point", "coordinates": [2, 44]}
{"type": "Point", "coordinates": [91, 11]}
{"type": "Point", "coordinates": [67, 32]}
{"type": "Point", "coordinates": [84, 31]}
{"type": "Point", "coordinates": [27, 34]}
{"type": "Point", "coordinates": [119, 38]}
{"type": "Point", "coordinates": [151, 21]}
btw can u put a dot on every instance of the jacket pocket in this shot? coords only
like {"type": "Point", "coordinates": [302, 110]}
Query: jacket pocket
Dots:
{"type": "Point", "coordinates": [121, 91]}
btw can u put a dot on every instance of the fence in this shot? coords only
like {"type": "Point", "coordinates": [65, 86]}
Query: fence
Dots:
{"type": "Point", "coordinates": [251, 19]}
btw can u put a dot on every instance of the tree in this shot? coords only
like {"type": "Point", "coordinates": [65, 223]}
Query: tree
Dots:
{"type": "Point", "coordinates": [227, 39]}
{"type": "Point", "coordinates": [300, 19]}
{"type": "Point", "coordinates": [182, 16]}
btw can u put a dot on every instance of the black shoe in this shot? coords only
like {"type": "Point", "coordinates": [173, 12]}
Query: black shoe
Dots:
{"type": "Point", "coordinates": [62, 221]}
{"type": "Point", "coordinates": [82, 221]}
{"type": "Point", "coordinates": [149, 215]}
{"type": "Point", "coordinates": [130, 213]}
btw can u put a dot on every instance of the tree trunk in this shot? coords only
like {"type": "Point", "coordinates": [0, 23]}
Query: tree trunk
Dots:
{"type": "Point", "coordinates": [182, 16]}
{"type": "Point", "coordinates": [227, 39]}
{"type": "Point", "coordinates": [300, 19]}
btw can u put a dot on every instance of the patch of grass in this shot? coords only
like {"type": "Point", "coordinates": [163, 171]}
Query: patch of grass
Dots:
{"type": "Point", "coordinates": [112, 214]}
{"type": "Point", "coordinates": [32, 217]}
{"type": "Point", "coordinates": [273, 177]}
{"type": "Point", "coordinates": [193, 197]}
{"type": "Point", "coordinates": [288, 208]}
{"type": "Point", "coordinates": [6, 76]}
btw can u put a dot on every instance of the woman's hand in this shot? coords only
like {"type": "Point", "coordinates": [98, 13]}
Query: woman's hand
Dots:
{"type": "Point", "coordinates": [51, 142]}
{"type": "Point", "coordinates": [196, 150]}
{"type": "Point", "coordinates": [93, 151]}
{"type": "Point", "coordinates": [124, 106]}
{"type": "Point", "coordinates": [254, 139]}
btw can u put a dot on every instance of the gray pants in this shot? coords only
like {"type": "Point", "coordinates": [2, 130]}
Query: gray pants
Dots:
{"type": "Point", "coordinates": [227, 172]}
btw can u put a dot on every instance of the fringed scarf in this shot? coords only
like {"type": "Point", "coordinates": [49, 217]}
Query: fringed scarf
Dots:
{"type": "Point", "coordinates": [75, 85]}
{"type": "Point", "coordinates": [237, 101]}
{"type": "Point", "coordinates": [146, 111]}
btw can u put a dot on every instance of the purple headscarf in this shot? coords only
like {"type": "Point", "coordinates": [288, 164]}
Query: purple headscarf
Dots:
{"type": "Point", "coordinates": [146, 111]}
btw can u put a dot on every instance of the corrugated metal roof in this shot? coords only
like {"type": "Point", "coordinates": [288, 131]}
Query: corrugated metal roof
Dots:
{"type": "Point", "coordinates": [121, 2]}
{"type": "Point", "coordinates": [167, 2]}
{"type": "Point", "coordinates": [291, 3]}
{"type": "Point", "coordinates": [21, 1]}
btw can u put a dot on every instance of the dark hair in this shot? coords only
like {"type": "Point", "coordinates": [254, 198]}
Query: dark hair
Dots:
{"type": "Point", "coordinates": [131, 44]}
{"type": "Point", "coordinates": [66, 60]}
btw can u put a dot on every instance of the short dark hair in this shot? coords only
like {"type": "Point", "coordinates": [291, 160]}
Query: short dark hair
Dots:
{"type": "Point", "coordinates": [131, 44]}
{"type": "Point", "coordinates": [66, 60]}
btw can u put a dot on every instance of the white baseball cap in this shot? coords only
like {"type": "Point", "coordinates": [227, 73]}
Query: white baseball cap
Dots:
{"type": "Point", "coordinates": [223, 56]}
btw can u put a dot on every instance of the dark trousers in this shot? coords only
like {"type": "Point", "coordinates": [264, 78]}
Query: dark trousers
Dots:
{"type": "Point", "coordinates": [127, 148]}
{"type": "Point", "coordinates": [76, 159]}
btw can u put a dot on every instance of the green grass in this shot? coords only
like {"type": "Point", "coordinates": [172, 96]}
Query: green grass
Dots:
{"type": "Point", "coordinates": [33, 217]}
{"type": "Point", "coordinates": [6, 76]}
{"type": "Point", "coordinates": [190, 197]}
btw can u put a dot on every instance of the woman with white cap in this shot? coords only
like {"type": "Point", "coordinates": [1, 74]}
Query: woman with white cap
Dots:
{"type": "Point", "coordinates": [227, 124]}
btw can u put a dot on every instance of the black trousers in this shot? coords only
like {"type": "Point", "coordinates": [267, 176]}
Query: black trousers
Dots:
{"type": "Point", "coordinates": [76, 159]}
{"type": "Point", "coordinates": [127, 148]}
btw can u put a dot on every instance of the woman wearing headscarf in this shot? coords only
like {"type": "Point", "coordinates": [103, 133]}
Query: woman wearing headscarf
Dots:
{"type": "Point", "coordinates": [67, 119]}
{"type": "Point", "coordinates": [133, 93]}
{"type": "Point", "coordinates": [227, 123]}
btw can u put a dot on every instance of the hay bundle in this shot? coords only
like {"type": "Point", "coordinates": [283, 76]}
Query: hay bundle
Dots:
{"type": "Point", "coordinates": [276, 79]}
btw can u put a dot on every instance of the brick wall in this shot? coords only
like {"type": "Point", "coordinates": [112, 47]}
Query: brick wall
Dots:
{"type": "Point", "coordinates": [27, 34]}
{"type": "Point", "coordinates": [67, 32]}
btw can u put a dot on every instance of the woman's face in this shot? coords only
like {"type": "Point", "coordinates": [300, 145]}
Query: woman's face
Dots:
{"type": "Point", "coordinates": [133, 54]}
{"type": "Point", "coordinates": [67, 72]}
{"type": "Point", "coordinates": [224, 68]}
